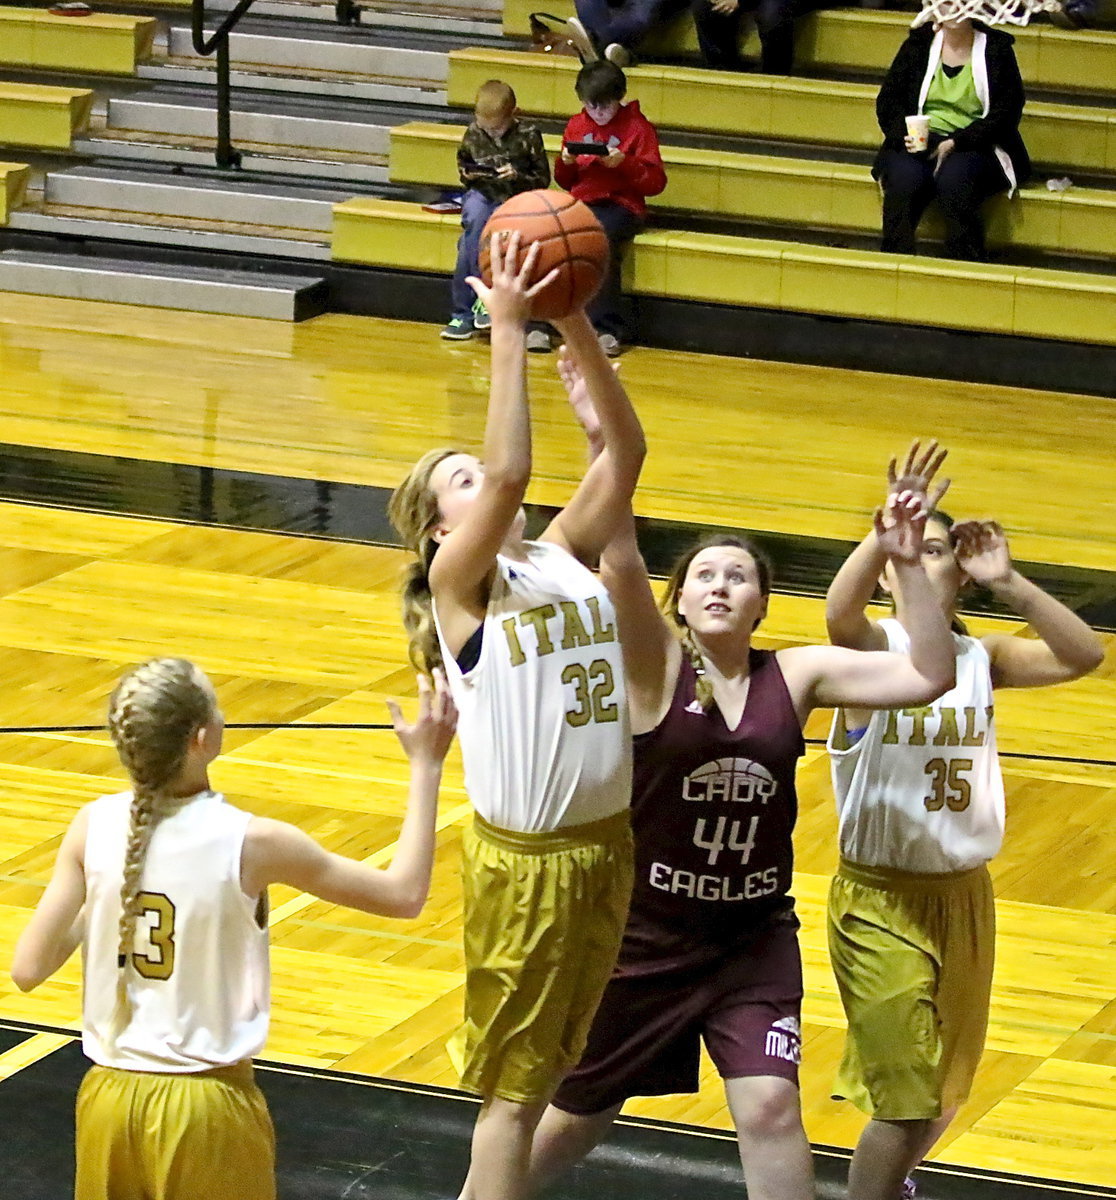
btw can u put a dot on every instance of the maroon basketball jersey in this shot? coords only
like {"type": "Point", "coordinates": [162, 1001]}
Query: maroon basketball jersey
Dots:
{"type": "Point", "coordinates": [713, 810]}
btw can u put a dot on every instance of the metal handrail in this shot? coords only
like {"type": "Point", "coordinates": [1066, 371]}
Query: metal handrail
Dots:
{"type": "Point", "coordinates": [227, 155]}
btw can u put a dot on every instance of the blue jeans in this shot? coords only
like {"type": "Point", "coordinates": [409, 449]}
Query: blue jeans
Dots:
{"type": "Point", "coordinates": [620, 225]}
{"type": "Point", "coordinates": [475, 211]}
{"type": "Point", "coordinates": [628, 22]}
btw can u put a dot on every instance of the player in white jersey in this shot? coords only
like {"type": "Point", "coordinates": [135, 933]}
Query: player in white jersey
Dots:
{"type": "Point", "coordinates": [165, 889]}
{"type": "Point", "coordinates": [529, 642]}
{"type": "Point", "coordinates": [921, 811]}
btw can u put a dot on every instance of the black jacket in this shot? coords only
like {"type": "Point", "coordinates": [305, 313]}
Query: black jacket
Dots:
{"type": "Point", "coordinates": [898, 98]}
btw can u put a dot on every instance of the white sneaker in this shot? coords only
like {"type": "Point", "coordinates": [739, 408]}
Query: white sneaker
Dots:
{"type": "Point", "coordinates": [619, 56]}
{"type": "Point", "coordinates": [538, 341]}
{"type": "Point", "coordinates": [582, 42]}
{"type": "Point", "coordinates": [610, 345]}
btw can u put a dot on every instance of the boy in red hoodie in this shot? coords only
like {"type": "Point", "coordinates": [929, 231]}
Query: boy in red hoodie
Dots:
{"type": "Point", "coordinates": [614, 185]}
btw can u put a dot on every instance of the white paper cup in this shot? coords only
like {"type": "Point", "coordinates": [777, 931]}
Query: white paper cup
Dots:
{"type": "Point", "coordinates": [918, 128]}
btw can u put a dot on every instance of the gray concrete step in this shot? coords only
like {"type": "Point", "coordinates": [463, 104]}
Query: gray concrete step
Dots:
{"type": "Point", "coordinates": [160, 285]}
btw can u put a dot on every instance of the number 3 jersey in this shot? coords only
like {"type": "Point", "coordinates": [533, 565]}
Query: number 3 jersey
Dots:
{"type": "Point", "coordinates": [921, 790]}
{"type": "Point", "coordinates": [198, 980]}
{"type": "Point", "coordinates": [713, 810]}
{"type": "Point", "coordinates": [543, 715]}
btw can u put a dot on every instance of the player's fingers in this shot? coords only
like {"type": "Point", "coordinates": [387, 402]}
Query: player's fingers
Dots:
{"type": "Point", "coordinates": [936, 462]}
{"type": "Point", "coordinates": [396, 714]}
{"type": "Point", "coordinates": [527, 266]}
{"type": "Point", "coordinates": [892, 477]}
{"type": "Point", "coordinates": [939, 492]}
{"type": "Point", "coordinates": [546, 280]}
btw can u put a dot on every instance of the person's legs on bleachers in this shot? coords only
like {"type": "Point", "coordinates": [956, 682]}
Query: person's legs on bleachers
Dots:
{"type": "Point", "coordinates": [966, 179]}
{"type": "Point", "coordinates": [620, 225]}
{"type": "Point", "coordinates": [775, 26]}
{"type": "Point", "coordinates": [718, 35]}
{"type": "Point", "coordinates": [908, 187]}
{"type": "Point", "coordinates": [475, 211]}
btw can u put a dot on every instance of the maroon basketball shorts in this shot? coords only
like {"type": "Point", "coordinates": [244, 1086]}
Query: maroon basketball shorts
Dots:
{"type": "Point", "coordinates": [646, 1037]}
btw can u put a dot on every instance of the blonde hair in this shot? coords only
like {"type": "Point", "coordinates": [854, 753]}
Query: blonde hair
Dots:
{"type": "Point", "coordinates": [413, 511]}
{"type": "Point", "coordinates": [495, 98]}
{"type": "Point", "coordinates": [703, 689]}
{"type": "Point", "coordinates": [154, 711]}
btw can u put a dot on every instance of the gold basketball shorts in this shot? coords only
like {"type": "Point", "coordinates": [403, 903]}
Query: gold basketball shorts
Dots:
{"type": "Point", "coordinates": [912, 955]}
{"type": "Point", "coordinates": [544, 915]}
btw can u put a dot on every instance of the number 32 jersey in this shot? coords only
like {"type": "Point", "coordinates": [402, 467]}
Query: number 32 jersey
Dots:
{"type": "Point", "coordinates": [921, 790]}
{"type": "Point", "coordinates": [543, 715]}
{"type": "Point", "coordinates": [198, 980]}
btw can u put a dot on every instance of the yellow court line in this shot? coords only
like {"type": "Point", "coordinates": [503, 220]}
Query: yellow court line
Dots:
{"type": "Point", "coordinates": [30, 1051]}
{"type": "Point", "coordinates": [297, 904]}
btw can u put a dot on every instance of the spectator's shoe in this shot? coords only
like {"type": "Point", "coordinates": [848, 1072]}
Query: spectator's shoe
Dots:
{"type": "Point", "coordinates": [538, 341]}
{"type": "Point", "coordinates": [1079, 14]}
{"type": "Point", "coordinates": [459, 329]}
{"type": "Point", "coordinates": [619, 56]}
{"type": "Point", "coordinates": [610, 345]}
{"type": "Point", "coordinates": [582, 42]}
{"type": "Point", "coordinates": [482, 321]}
{"type": "Point", "coordinates": [908, 1191]}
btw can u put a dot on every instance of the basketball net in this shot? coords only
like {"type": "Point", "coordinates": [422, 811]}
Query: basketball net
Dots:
{"type": "Point", "coordinates": [989, 12]}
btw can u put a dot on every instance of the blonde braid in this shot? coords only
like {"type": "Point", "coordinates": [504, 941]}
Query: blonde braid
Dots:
{"type": "Point", "coordinates": [703, 689]}
{"type": "Point", "coordinates": [153, 713]}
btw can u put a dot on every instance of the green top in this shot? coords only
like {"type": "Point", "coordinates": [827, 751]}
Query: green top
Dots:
{"type": "Point", "coordinates": [952, 103]}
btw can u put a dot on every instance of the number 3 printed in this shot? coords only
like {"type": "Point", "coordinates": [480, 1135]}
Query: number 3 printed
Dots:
{"type": "Point", "coordinates": [160, 935]}
{"type": "Point", "coordinates": [948, 786]}
{"type": "Point", "coordinates": [591, 703]}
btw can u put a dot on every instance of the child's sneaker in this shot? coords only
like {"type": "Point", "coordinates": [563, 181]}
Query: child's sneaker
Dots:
{"type": "Point", "coordinates": [609, 344]}
{"type": "Point", "coordinates": [481, 318]}
{"type": "Point", "coordinates": [908, 1191]}
{"type": "Point", "coordinates": [459, 329]}
{"type": "Point", "coordinates": [582, 40]}
{"type": "Point", "coordinates": [538, 341]}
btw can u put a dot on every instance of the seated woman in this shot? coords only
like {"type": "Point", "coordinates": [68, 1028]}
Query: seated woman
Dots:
{"type": "Point", "coordinates": [962, 76]}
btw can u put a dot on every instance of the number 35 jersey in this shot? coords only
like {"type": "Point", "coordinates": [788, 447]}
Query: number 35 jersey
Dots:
{"type": "Point", "coordinates": [198, 979]}
{"type": "Point", "coordinates": [543, 715]}
{"type": "Point", "coordinates": [921, 790]}
{"type": "Point", "coordinates": [713, 810]}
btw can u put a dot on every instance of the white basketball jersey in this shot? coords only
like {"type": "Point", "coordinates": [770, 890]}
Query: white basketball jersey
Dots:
{"type": "Point", "coordinates": [199, 979]}
{"type": "Point", "coordinates": [922, 790]}
{"type": "Point", "coordinates": [544, 715]}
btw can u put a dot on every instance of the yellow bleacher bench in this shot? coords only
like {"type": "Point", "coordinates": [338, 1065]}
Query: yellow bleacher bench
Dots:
{"type": "Point", "coordinates": [866, 40]}
{"type": "Point", "coordinates": [101, 42]}
{"type": "Point", "coordinates": [33, 114]}
{"type": "Point", "coordinates": [719, 268]}
{"type": "Point", "coordinates": [794, 191]}
{"type": "Point", "coordinates": [14, 178]}
{"type": "Point", "coordinates": [1074, 137]}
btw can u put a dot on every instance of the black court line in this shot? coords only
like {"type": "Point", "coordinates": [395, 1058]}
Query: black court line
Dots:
{"type": "Point", "coordinates": [319, 508]}
{"type": "Point", "coordinates": [357, 1136]}
{"type": "Point", "coordinates": [378, 726]}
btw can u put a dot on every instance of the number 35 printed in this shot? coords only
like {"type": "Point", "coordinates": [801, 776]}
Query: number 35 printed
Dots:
{"type": "Point", "coordinates": [949, 788]}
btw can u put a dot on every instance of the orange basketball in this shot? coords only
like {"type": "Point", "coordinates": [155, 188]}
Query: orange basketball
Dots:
{"type": "Point", "coordinates": [570, 238]}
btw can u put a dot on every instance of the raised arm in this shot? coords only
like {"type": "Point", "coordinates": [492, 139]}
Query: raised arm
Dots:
{"type": "Point", "coordinates": [834, 676]}
{"type": "Point", "coordinates": [603, 498]}
{"type": "Point", "coordinates": [1068, 648]}
{"type": "Point", "coordinates": [651, 651]}
{"type": "Point", "coordinates": [56, 927]}
{"type": "Point", "coordinates": [855, 583]}
{"type": "Point", "coordinates": [275, 852]}
{"type": "Point", "coordinates": [466, 555]}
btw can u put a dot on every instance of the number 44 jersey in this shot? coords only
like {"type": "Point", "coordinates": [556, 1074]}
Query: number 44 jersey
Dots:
{"type": "Point", "coordinates": [197, 978]}
{"type": "Point", "coordinates": [921, 789]}
{"type": "Point", "coordinates": [543, 721]}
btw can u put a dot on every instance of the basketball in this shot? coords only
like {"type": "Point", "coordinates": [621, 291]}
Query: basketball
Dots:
{"type": "Point", "coordinates": [570, 239]}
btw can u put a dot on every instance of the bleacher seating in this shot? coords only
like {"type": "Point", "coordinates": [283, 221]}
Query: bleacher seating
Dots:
{"type": "Point", "coordinates": [33, 114]}
{"type": "Point", "coordinates": [100, 42]}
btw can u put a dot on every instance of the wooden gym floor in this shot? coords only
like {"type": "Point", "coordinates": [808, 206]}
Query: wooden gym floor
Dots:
{"type": "Point", "coordinates": [106, 410]}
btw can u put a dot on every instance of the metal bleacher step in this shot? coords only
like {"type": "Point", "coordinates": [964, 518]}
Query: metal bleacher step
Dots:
{"type": "Point", "coordinates": [164, 285]}
{"type": "Point", "coordinates": [177, 210]}
{"type": "Point", "coordinates": [287, 57]}
{"type": "Point", "coordinates": [321, 142]}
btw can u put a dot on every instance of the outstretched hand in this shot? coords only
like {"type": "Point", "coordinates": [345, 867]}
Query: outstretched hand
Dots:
{"type": "Point", "coordinates": [982, 551]}
{"type": "Point", "coordinates": [509, 298]}
{"type": "Point", "coordinates": [899, 526]}
{"type": "Point", "coordinates": [577, 392]}
{"type": "Point", "coordinates": [429, 737]}
{"type": "Point", "coordinates": [918, 473]}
